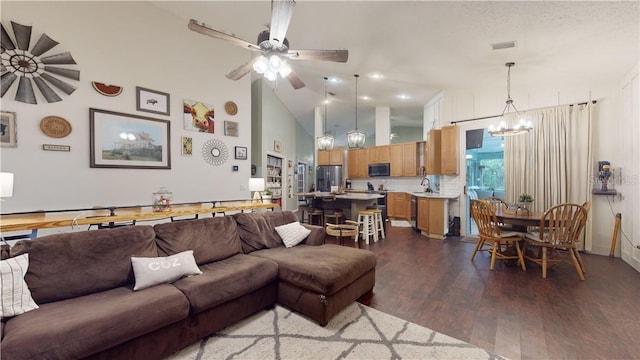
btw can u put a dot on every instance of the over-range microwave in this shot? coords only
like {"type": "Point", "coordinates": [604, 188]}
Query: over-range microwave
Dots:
{"type": "Point", "coordinates": [380, 169]}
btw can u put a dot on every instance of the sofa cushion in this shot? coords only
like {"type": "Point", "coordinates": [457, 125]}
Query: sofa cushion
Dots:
{"type": "Point", "coordinates": [16, 298]}
{"type": "Point", "coordinates": [78, 327]}
{"type": "Point", "coordinates": [69, 265]}
{"type": "Point", "coordinates": [257, 230]}
{"type": "Point", "coordinates": [324, 269]}
{"type": "Point", "coordinates": [210, 239]}
{"type": "Point", "coordinates": [150, 271]}
{"type": "Point", "coordinates": [227, 279]}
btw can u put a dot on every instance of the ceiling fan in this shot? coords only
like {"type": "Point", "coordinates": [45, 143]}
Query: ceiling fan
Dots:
{"type": "Point", "coordinates": [273, 46]}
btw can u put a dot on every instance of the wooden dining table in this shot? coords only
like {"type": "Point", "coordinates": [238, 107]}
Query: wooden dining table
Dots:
{"type": "Point", "coordinates": [519, 219]}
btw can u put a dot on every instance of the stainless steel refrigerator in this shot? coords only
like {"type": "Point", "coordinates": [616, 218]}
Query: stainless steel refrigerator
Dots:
{"type": "Point", "coordinates": [327, 176]}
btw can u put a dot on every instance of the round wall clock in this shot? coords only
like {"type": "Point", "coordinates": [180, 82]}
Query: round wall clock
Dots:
{"type": "Point", "coordinates": [215, 152]}
{"type": "Point", "coordinates": [231, 108]}
{"type": "Point", "coordinates": [55, 126]}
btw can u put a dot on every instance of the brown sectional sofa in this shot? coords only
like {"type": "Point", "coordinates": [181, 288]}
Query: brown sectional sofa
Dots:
{"type": "Point", "coordinates": [83, 283]}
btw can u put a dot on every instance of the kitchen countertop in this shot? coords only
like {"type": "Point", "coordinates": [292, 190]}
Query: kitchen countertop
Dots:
{"type": "Point", "coordinates": [434, 195]}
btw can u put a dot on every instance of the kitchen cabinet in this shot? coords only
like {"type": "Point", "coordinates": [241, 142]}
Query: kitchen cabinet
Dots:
{"type": "Point", "coordinates": [379, 154]}
{"type": "Point", "coordinates": [399, 205]}
{"type": "Point", "coordinates": [449, 150]}
{"type": "Point", "coordinates": [331, 157]}
{"type": "Point", "coordinates": [431, 217]}
{"type": "Point", "coordinates": [358, 163]}
{"type": "Point", "coordinates": [404, 159]}
{"type": "Point", "coordinates": [432, 155]}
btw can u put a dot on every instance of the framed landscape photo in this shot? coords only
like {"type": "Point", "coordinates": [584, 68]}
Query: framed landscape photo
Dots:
{"type": "Point", "coordinates": [152, 101]}
{"type": "Point", "coordinates": [8, 133]}
{"type": "Point", "coordinates": [119, 140]}
{"type": "Point", "coordinates": [241, 153]}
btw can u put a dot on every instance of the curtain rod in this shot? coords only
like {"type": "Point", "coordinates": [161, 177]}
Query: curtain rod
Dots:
{"type": "Point", "coordinates": [493, 116]}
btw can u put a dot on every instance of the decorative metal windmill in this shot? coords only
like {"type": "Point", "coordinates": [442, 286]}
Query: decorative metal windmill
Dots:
{"type": "Point", "coordinates": [18, 62]}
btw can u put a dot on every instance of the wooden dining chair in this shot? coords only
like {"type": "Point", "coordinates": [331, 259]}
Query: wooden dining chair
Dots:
{"type": "Point", "coordinates": [559, 231]}
{"type": "Point", "coordinates": [490, 235]}
{"type": "Point", "coordinates": [497, 203]}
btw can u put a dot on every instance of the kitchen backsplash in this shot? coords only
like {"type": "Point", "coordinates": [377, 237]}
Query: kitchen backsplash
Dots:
{"type": "Point", "coordinates": [444, 184]}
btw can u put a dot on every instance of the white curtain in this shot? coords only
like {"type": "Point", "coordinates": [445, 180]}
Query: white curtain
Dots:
{"type": "Point", "coordinates": [554, 161]}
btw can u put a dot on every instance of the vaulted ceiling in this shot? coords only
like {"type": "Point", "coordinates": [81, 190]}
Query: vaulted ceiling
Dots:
{"type": "Point", "coordinates": [423, 47]}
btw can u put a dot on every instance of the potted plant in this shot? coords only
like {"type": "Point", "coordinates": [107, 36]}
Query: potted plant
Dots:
{"type": "Point", "coordinates": [266, 196]}
{"type": "Point", "coordinates": [525, 201]}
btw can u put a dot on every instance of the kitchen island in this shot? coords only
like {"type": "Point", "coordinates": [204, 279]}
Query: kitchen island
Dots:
{"type": "Point", "coordinates": [350, 203]}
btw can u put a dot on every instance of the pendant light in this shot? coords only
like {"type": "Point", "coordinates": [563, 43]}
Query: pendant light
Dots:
{"type": "Point", "coordinates": [325, 142]}
{"type": "Point", "coordinates": [356, 138]}
{"type": "Point", "coordinates": [523, 126]}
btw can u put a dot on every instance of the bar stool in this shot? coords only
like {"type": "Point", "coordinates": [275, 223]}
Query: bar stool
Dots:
{"type": "Point", "coordinates": [366, 225]}
{"type": "Point", "coordinates": [330, 211]}
{"type": "Point", "coordinates": [378, 222]}
{"type": "Point", "coordinates": [305, 207]}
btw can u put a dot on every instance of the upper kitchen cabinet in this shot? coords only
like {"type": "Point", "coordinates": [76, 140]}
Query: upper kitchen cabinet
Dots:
{"type": "Point", "coordinates": [449, 150]}
{"type": "Point", "coordinates": [358, 163]}
{"type": "Point", "coordinates": [432, 155]}
{"type": "Point", "coordinates": [379, 154]}
{"type": "Point", "coordinates": [404, 159]}
{"type": "Point", "coordinates": [331, 157]}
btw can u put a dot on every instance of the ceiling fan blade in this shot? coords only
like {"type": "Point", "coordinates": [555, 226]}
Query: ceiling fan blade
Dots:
{"type": "Point", "coordinates": [23, 35]}
{"type": "Point", "coordinates": [43, 45]}
{"type": "Point", "coordinates": [217, 34]}
{"type": "Point", "coordinates": [7, 43]}
{"type": "Point", "coordinates": [242, 70]}
{"type": "Point", "coordinates": [281, 13]}
{"type": "Point", "coordinates": [321, 55]}
{"type": "Point", "coordinates": [295, 81]}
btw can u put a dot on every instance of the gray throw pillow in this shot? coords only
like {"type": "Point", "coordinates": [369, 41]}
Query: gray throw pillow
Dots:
{"type": "Point", "coordinates": [150, 271]}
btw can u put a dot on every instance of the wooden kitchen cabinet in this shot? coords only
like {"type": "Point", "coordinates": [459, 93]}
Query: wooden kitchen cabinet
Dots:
{"type": "Point", "coordinates": [396, 159]}
{"type": "Point", "coordinates": [399, 205]}
{"type": "Point", "coordinates": [449, 150]}
{"type": "Point", "coordinates": [432, 154]}
{"type": "Point", "coordinates": [379, 154]}
{"type": "Point", "coordinates": [404, 159]}
{"type": "Point", "coordinates": [331, 157]}
{"type": "Point", "coordinates": [358, 166]}
{"type": "Point", "coordinates": [431, 217]}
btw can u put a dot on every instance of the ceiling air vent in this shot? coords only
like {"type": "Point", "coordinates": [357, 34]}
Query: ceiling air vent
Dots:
{"type": "Point", "coordinates": [503, 45]}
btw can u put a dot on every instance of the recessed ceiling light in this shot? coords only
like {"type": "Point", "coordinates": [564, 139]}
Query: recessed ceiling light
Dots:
{"type": "Point", "coordinates": [503, 45]}
{"type": "Point", "coordinates": [334, 80]}
{"type": "Point", "coordinates": [376, 76]}
{"type": "Point", "coordinates": [365, 97]}
{"type": "Point", "coordinates": [403, 96]}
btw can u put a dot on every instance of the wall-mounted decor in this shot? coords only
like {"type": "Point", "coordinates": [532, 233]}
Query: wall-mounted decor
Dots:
{"type": "Point", "coordinates": [30, 66]}
{"type": "Point", "coordinates": [231, 108]}
{"type": "Point", "coordinates": [52, 147]}
{"type": "Point", "coordinates": [198, 116]}
{"type": "Point", "coordinates": [241, 153]}
{"type": "Point", "coordinates": [8, 129]}
{"type": "Point", "coordinates": [215, 152]}
{"type": "Point", "coordinates": [55, 126]}
{"type": "Point", "coordinates": [231, 128]}
{"type": "Point", "coordinates": [106, 90]}
{"type": "Point", "coordinates": [152, 101]}
{"type": "Point", "coordinates": [277, 146]}
{"type": "Point", "coordinates": [187, 146]}
{"type": "Point", "coordinates": [120, 140]}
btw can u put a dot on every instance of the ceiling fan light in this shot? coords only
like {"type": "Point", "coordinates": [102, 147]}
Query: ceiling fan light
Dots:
{"type": "Point", "coordinates": [261, 65]}
{"type": "Point", "coordinates": [285, 69]}
{"type": "Point", "coordinates": [270, 75]}
{"type": "Point", "coordinates": [275, 61]}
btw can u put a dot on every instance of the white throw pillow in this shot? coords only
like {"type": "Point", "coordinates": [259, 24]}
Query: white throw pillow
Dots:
{"type": "Point", "coordinates": [16, 297]}
{"type": "Point", "coordinates": [292, 234]}
{"type": "Point", "coordinates": [149, 271]}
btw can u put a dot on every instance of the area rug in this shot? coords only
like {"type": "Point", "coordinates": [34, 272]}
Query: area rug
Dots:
{"type": "Point", "coordinates": [358, 332]}
{"type": "Point", "coordinates": [400, 223]}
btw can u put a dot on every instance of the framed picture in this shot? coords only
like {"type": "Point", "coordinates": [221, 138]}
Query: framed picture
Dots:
{"type": "Point", "coordinates": [277, 146]}
{"type": "Point", "coordinates": [152, 101]}
{"type": "Point", "coordinates": [120, 140]}
{"type": "Point", "coordinates": [231, 128]}
{"type": "Point", "coordinates": [198, 116]}
{"type": "Point", "coordinates": [241, 153]}
{"type": "Point", "coordinates": [8, 131]}
{"type": "Point", "coordinates": [187, 146]}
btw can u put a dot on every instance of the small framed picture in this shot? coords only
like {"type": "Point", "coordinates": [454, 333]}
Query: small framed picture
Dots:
{"type": "Point", "coordinates": [241, 153]}
{"type": "Point", "coordinates": [152, 101]}
{"type": "Point", "coordinates": [187, 146]}
{"type": "Point", "coordinates": [8, 134]}
{"type": "Point", "coordinates": [231, 128]}
{"type": "Point", "coordinates": [277, 146]}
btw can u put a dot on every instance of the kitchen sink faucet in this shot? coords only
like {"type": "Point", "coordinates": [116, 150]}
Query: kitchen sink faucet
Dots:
{"type": "Point", "coordinates": [426, 183]}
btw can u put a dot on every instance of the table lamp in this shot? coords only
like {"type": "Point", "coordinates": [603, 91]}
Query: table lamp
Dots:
{"type": "Point", "coordinates": [6, 184]}
{"type": "Point", "coordinates": [256, 185]}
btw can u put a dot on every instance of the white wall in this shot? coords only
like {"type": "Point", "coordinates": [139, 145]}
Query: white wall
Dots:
{"type": "Point", "coordinates": [112, 44]}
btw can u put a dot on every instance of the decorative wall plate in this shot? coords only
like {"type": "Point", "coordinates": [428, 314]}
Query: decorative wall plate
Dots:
{"type": "Point", "coordinates": [107, 90]}
{"type": "Point", "coordinates": [55, 126]}
{"type": "Point", "coordinates": [215, 152]}
{"type": "Point", "coordinates": [231, 108]}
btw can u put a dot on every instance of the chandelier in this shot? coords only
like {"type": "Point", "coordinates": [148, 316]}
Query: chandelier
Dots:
{"type": "Point", "coordinates": [325, 142]}
{"type": "Point", "coordinates": [356, 138]}
{"type": "Point", "coordinates": [271, 67]}
{"type": "Point", "coordinates": [523, 126]}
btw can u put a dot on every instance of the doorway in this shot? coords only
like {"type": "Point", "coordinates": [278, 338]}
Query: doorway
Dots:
{"type": "Point", "coordinates": [301, 186]}
{"type": "Point", "coordinates": [484, 164]}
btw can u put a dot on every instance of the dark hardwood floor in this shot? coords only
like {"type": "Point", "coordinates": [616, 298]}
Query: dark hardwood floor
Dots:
{"type": "Point", "coordinates": [508, 311]}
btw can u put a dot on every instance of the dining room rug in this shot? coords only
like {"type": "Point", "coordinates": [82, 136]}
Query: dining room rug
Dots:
{"type": "Point", "coordinates": [357, 332]}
